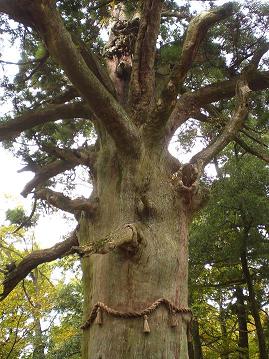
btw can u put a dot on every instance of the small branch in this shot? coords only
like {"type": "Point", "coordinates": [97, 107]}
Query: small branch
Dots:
{"type": "Point", "coordinates": [176, 14]}
{"type": "Point", "coordinates": [80, 156]}
{"type": "Point", "coordinates": [41, 62]}
{"type": "Point", "coordinates": [232, 127]}
{"type": "Point", "coordinates": [254, 151]}
{"type": "Point", "coordinates": [64, 203]}
{"type": "Point", "coordinates": [253, 138]}
{"type": "Point", "coordinates": [126, 238]}
{"type": "Point", "coordinates": [14, 127]}
{"type": "Point", "coordinates": [28, 220]}
{"type": "Point", "coordinates": [36, 258]}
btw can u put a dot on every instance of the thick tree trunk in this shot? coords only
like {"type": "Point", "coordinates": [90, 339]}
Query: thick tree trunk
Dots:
{"type": "Point", "coordinates": [141, 193]}
{"type": "Point", "coordinates": [252, 299]}
{"type": "Point", "coordinates": [242, 324]}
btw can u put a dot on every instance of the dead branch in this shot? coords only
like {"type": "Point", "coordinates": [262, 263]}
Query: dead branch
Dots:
{"type": "Point", "coordinates": [65, 203]}
{"type": "Point", "coordinates": [14, 127]}
{"type": "Point", "coordinates": [36, 258]}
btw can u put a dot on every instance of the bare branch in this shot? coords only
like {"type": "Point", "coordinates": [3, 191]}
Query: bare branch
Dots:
{"type": "Point", "coordinates": [254, 151]}
{"type": "Point", "coordinates": [64, 203]}
{"type": "Point", "coordinates": [35, 259]}
{"type": "Point", "coordinates": [14, 127]}
{"type": "Point", "coordinates": [142, 80]}
{"type": "Point", "coordinates": [195, 35]}
{"type": "Point", "coordinates": [232, 127]}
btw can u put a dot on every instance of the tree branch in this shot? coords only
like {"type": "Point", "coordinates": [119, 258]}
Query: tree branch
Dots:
{"type": "Point", "coordinates": [191, 101]}
{"type": "Point", "coordinates": [81, 156]}
{"type": "Point", "coordinates": [14, 127]}
{"type": "Point", "coordinates": [36, 258]}
{"type": "Point", "coordinates": [46, 172]}
{"type": "Point", "coordinates": [196, 33]}
{"type": "Point", "coordinates": [232, 127]}
{"type": "Point", "coordinates": [254, 151]}
{"type": "Point", "coordinates": [65, 203]}
{"type": "Point", "coordinates": [143, 77]}
{"type": "Point", "coordinates": [127, 238]}
{"type": "Point", "coordinates": [44, 18]}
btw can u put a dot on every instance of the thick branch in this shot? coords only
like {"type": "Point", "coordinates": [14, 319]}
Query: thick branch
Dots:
{"type": "Point", "coordinates": [195, 35]}
{"type": "Point", "coordinates": [35, 259]}
{"type": "Point", "coordinates": [80, 156]}
{"type": "Point", "coordinates": [258, 54]}
{"type": "Point", "coordinates": [142, 80]}
{"type": "Point", "coordinates": [64, 203]}
{"type": "Point", "coordinates": [14, 127]}
{"type": "Point", "coordinates": [230, 130]}
{"type": "Point", "coordinates": [46, 20]}
{"type": "Point", "coordinates": [190, 102]}
{"type": "Point", "coordinates": [46, 172]}
{"type": "Point", "coordinates": [126, 238]}
{"type": "Point", "coordinates": [254, 151]}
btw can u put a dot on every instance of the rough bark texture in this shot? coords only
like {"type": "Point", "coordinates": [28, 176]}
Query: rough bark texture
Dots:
{"type": "Point", "coordinates": [137, 192]}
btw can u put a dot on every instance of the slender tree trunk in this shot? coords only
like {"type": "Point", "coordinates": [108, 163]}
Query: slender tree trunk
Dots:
{"type": "Point", "coordinates": [252, 299]}
{"type": "Point", "coordinates": [224, 336]}
{"type": "Point", "coordinates": [38, 343]}
{"type": "Point", "coordinates": [198, 354]}
{"type": "Point", "coordinates": [39, 346]}
{"type": "Point", "coordinates": [242, 324]}
{"type": "Point", "coordinates": [141, 193]}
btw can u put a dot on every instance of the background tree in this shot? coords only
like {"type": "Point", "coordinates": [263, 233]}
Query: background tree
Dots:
{"type": "Point", "coordinates": [131, 94]}
{"type": "Point", "coordinates": [40, 318]}
{"type": "Point", "coordinates": [237, 263]}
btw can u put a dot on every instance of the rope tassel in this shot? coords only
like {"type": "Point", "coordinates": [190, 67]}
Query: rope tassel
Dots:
{"type": "Point", "coordinates": [146, 324]}
{"type": "Point", "coordinates": [99, 317]}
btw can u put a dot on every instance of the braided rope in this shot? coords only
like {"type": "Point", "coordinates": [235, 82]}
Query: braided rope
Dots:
{"type": "Point", "coordinates": [133, 314]}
